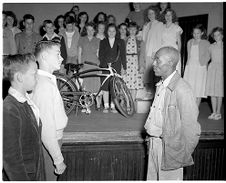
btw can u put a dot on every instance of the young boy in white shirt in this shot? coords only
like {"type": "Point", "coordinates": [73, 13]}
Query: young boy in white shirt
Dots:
{"type": "Point", "coordinates": [47, 97]}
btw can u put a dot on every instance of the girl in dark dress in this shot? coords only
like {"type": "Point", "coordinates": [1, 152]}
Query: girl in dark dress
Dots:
{"type": "Point", "coordinates": [112, 50]}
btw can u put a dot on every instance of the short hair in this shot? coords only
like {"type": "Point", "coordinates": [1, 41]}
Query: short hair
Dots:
{"type": "Point", "coordinates": [28, 16]}
{"type": "Point", "coordinates": [172, 52]}
{"type": "Point", "coordinates": [44, 45]}
{"type": "Point", "coordinates": [216, 29]}
{"type": "Point", "coordinates": [69, 14]}
{"type": "Point", "coordinates": [101, 23]}
{"type": "Point", "coordinates": [91, 24]}
{"type": "Point", "coordinates": [81, 14]}
{"type": "Point", "coordinates": [75, 6]}
{"type": "Point", "coordinates": [11, 14]}
{"type": "Point", "coordinates": [202, 29]}
{"type": "Point", "coordinates": [153, 8]}
{"type": "Point", "coordinates": [69, 20]}
{"type": "Point", "coordinates": [159, 5]}
{"type": "Point", "coordinates": [122, 24]}
{"type": "Point", "coordinates": [95, 20]}
{"type": "Point", "coordinates": [47, 22]}
{"type": "Point", "coordinates": [111, 16]}
{"type": "Point", "coordinates": [111, 25]}
{"type": "Point", "coordinates": [56, 21]}
{"type": "Point", "coordinates": [133, 24]}
{"type": "Point", "coordinates": [16, 63]}
{"type": "Point", "coordinates": [174, 15]}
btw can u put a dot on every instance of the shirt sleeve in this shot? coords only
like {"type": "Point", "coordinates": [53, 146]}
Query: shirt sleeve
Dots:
{"type": "Point", "coordinates": [44, 99]}
{"type": "Point", "coordinates": [179, 30]}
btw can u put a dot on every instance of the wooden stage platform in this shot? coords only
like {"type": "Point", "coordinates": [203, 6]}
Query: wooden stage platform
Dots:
{"type": "Point", "coordinates": [99, 126]}
{"type": "Point", "coordinates": [105, 147]}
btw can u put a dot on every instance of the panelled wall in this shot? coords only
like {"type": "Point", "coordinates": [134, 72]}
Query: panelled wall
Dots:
{"type": "Point", "coordinates": [128, 161]}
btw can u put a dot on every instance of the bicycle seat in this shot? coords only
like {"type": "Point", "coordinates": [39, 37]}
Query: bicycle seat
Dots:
{"type": "Point", "coordinates": [74, 67]}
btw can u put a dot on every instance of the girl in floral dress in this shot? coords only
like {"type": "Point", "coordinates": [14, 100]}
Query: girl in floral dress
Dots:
{"type": "Point", "coordinates": [133, 77]}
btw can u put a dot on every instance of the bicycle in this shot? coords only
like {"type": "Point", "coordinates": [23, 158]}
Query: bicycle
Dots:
{"type": "Point", "coordinates": [74, 95]}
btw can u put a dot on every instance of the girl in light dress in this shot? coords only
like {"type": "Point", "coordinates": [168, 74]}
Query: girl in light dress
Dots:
{"type": "Point", "coordinates": [215, 76]}
{"type": "Point", "coordinates": [133, 76]}
{"type": "Point", "coordinates": [171, 35]}
{"type": "Point", "coordinates": [152, 35]}
{"type": "Point", "coordinates": [196, 68]}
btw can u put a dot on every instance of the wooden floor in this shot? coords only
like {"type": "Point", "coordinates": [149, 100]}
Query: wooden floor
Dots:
{"type": "Point", "coordinates": [107, 125]}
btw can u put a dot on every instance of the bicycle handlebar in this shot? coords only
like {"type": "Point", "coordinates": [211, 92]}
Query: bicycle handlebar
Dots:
{"type": "Point", "coordinates": [91, 63]}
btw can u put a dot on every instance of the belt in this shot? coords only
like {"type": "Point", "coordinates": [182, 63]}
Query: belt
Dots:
{"type": "Point", "coordinates": [132, 54]}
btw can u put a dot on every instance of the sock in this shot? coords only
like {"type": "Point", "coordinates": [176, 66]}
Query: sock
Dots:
{"type": "Point", "coordinates": [112, 105]}
{"type": "Point", "coordinates": [106, 105]}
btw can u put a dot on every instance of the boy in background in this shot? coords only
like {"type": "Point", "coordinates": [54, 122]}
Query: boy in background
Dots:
{"type": "Point", "coordinates": [26, 40]}
{"type": "Point", "coordinates": [48, 27]}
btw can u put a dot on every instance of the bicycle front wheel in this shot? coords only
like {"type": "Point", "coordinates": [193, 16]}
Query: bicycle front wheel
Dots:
{"type": "Point", "coordinates": [68, 93]}
{"type": "Point", "coordinates": [121, 97]}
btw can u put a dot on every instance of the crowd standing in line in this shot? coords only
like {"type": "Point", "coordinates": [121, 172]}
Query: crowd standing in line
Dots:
{"type": "Point", "coordinates": [147, 43]}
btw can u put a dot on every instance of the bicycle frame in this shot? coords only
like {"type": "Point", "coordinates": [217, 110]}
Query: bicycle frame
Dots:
{"type": "Point", "coordinates": [84, 74]}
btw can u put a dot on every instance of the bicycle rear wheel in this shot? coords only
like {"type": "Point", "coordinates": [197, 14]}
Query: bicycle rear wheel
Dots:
{"type": "Point", "coordinates": [121, 97]}
{"type": "Point", "coordinates": [68, 93]}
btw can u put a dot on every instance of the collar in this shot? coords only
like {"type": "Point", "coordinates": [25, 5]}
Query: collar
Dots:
{"type": "Point", "coordinates": [154, 22]}
{"type": "Point", "coordinates": [54, 35]}
{"type": "Point", "coordinates": [47, 74]}
{"type": "Point", "coordinates": [19, 97]}
{"type": "Point", "coordinates": [167, 80]}
{"type": "Point", "coordinates": [111, 39]}
{"type": "Point", "coordinates": [174, 81]}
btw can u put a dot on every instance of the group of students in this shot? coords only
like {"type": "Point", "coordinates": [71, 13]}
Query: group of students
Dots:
{"type": "Point", "coordinates": [133, 51]}
{"type": "Point", "coordinates": [143, 32]}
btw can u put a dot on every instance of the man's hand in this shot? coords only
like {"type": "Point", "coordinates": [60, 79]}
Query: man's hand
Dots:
{"type": "Point", "coordinates": [60, 168]}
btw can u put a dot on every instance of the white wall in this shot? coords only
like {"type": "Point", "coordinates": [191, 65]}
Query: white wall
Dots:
{"type": "Point", "coordinates": [42, 11]}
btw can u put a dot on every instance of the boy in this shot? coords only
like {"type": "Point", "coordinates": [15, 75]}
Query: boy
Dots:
{"type": "Point", "coordinates": [48, 27]}
{"type": "Point", "coordinates": [48, 99]}
{"type": "Point", "coordinates": [26, 40]}
{"type": "Point", "coordinates": [22, 146]}
{"type": "Point", "coordinates": [71, 37]}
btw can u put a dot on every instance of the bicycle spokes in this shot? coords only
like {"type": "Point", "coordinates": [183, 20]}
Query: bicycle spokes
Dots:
{"type": "Point", "coordinates": [122, 97]}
